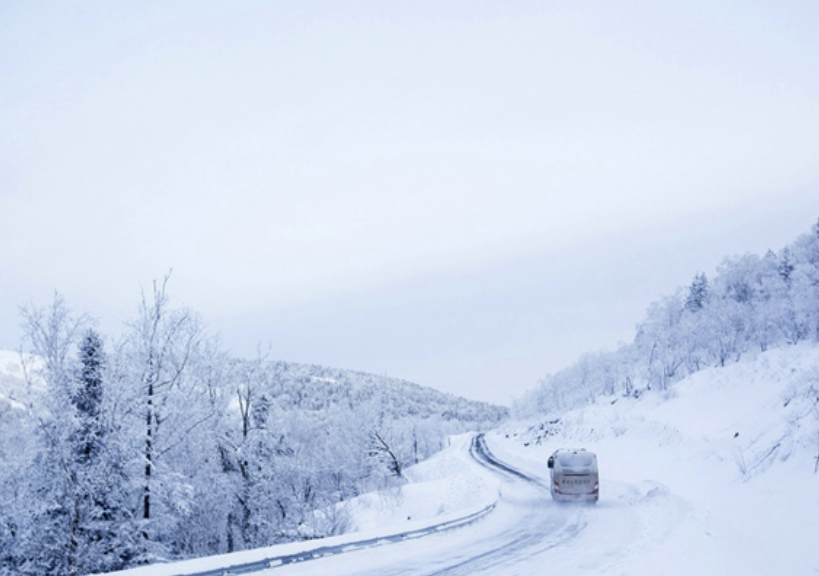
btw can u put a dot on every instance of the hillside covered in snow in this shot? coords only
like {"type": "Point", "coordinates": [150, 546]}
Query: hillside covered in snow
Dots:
{"type": "Point", "coordinates": [751, 304]}
{"type": "Point", "coordinates": [160, 446]}
{"type": "Point", "coordinates": [720, 471]}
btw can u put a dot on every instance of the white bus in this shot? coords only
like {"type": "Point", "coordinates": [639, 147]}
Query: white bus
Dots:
{"type": "Point", "coordinates": [573, 475]}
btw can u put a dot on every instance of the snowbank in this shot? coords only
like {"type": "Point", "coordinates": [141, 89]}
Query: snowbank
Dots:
{"type": "Point", "coordinates": [446, 484]}
{"type": "Point", "coordinates": [721, 468]}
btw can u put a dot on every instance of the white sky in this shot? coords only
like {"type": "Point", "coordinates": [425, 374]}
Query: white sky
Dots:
{"type": "Point", "coordinates": [464, 194]}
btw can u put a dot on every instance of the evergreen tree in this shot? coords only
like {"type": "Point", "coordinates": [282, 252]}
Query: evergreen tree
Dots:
{"type": "Point", "coordinates": [786, 267]}
{"type": "Point", "coordinates": [77, 517]}
{"type": "Point", "coordinates": [107, 528]}
{"type": "Point", "coordinates": [87, 399]}
{"type": "Point", "coordinates": [697, 293]}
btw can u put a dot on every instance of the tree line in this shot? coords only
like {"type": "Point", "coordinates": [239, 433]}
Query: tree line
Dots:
{"type": "Point", "coordinates": [750, 304]}
{"type": "Point", "coordinates": [159, 446]}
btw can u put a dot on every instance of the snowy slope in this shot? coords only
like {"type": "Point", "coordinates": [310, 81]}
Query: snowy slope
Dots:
{"type": "Point", "coordinates": [720, 468]}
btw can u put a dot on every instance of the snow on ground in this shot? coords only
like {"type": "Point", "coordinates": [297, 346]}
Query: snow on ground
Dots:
{"type": "Point", "coordinates": [446, 484]}
{"type": "Point", "coordinates": [720, 469]}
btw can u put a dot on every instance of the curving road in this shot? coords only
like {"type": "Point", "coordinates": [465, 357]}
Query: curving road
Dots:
{"type": "Point", "coordinates": [527, 533]}
{"type": "Point", "coordinates": [528, 525]}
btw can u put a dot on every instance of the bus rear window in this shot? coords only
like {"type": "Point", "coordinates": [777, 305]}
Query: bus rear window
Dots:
{"type": "Point", "coordinates": [576, 460]}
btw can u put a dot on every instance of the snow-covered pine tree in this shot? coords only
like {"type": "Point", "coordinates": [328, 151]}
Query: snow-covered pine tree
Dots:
{"type": "Point", "coordinates": [785, 267]}
{"type": "Point", "coordinates": [74, 514]}
{"type": "Point", "coordinates": [87, 397]}
{"type": "Point", "coordinates": [107, 533]}
{"type": "Point", "coordinates": [697, 293]}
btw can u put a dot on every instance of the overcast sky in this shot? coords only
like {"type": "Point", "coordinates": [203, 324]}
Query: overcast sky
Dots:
{"type": "Point", "coordinates": [465, 194]}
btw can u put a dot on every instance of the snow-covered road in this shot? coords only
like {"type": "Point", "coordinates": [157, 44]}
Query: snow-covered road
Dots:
{"type": "Point", "coordinates": [526, 533]}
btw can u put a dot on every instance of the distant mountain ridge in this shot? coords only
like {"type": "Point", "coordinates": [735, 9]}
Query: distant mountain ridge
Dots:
{"type": "Point", "coordinates": [314, 387]}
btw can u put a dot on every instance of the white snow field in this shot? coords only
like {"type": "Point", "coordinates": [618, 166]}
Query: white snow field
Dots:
{"type": "Point", "coordinates": [715, 476]}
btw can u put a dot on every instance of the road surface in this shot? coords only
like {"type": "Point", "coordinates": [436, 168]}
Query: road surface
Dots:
{"type": "Point", "coordinates": [527, 533]}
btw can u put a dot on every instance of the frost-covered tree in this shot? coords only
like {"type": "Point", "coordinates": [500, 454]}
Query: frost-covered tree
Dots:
{"type": "Point", "coordinates": [661, 341]}
{"type": "Point", "coordinates": [697, 293]}
{"type": "Point", "coordinates": [76, 517]}
{"type": "Point", "coordinates": [87, 398]}
{"type": "Point", "coordinates": [805, 283]}
{"type": "Point", "coordinates": [246, 453]}
{"type": "Point", "coordinates": [751, 303]}
{"type": "Point", "coordinates": [51, 539]}
{"type": "Point", "coordinates": [160, 447]}
{"type": "Point", "coordinates": [163, 355]}
{"type": "Point", "coordinates": [785, 267]}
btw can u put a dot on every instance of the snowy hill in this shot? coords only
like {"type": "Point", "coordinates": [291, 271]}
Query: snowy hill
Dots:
{"type": "Point", "coordinates": [252, 453]}
{"type": "Point", "coordinates": [312, 387]}
{"type": "Point", "coordinates": [721, 469]}
{"type": "Point", "coordinates": [752, 303]}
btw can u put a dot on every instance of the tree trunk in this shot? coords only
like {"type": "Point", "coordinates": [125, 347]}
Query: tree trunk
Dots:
{"type": "Point", "coordinates": [146, 500]}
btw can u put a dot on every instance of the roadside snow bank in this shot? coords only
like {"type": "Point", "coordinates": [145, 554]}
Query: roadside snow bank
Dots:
{"type": "Point", "coordinates": [446, 484]}
{"type": "Point", "coordinates": [720, 469]}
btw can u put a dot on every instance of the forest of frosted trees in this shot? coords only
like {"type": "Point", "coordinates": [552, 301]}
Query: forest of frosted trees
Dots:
{"type": "Point", "coordinates": [752, 303]}
{"type": "Point", "coordinates": [159, 446]}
